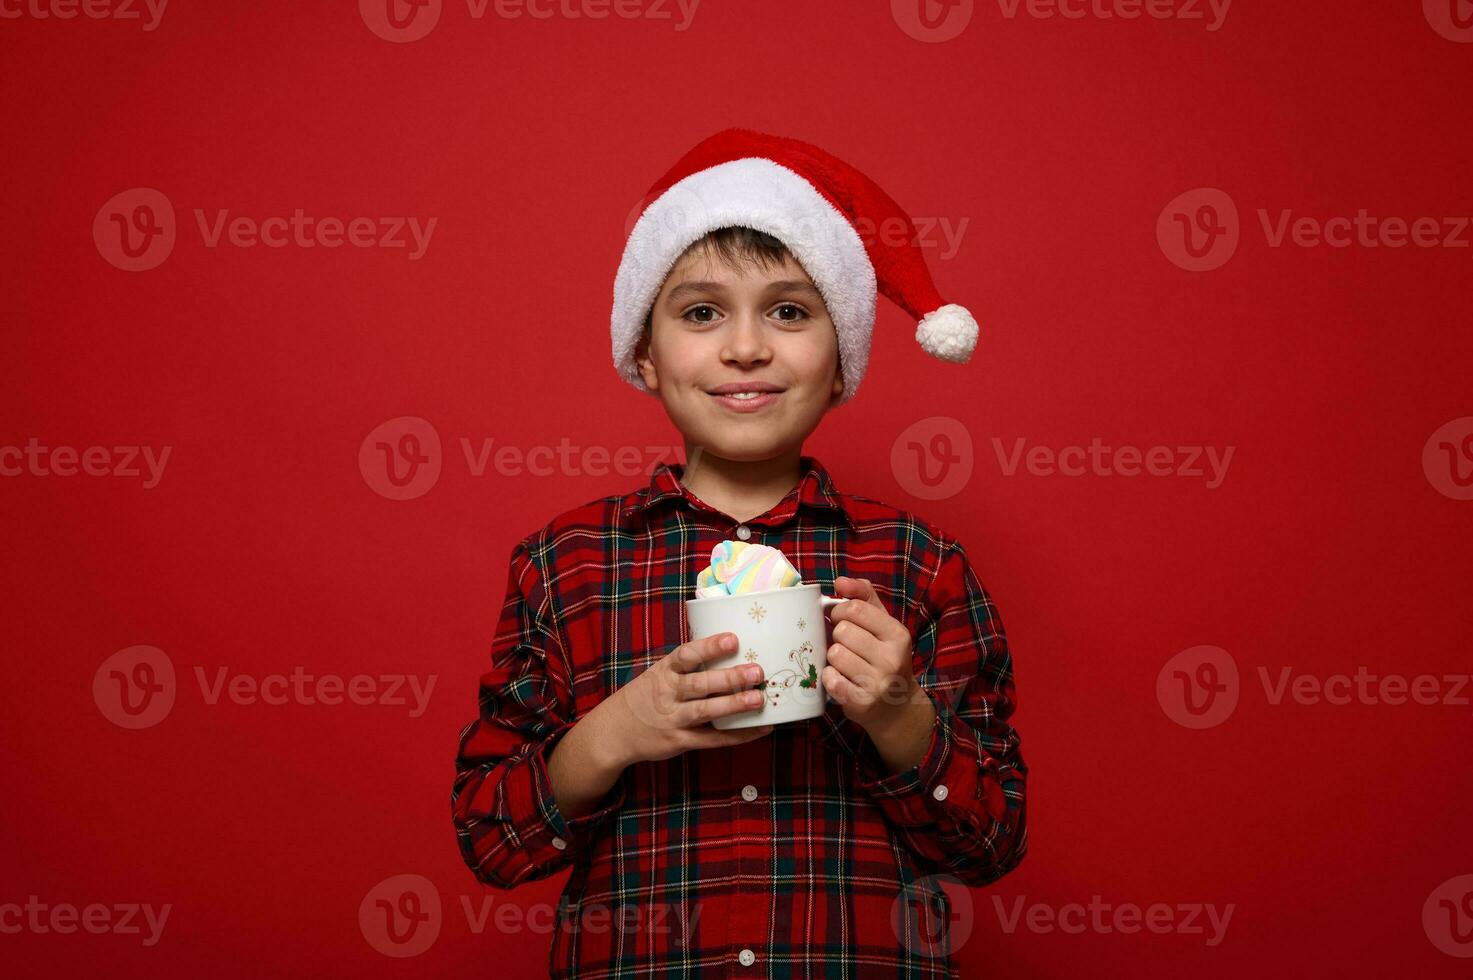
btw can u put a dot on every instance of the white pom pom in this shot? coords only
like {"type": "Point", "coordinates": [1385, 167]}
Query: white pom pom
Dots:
{"type": "Point", "coordinates": [949, 333]}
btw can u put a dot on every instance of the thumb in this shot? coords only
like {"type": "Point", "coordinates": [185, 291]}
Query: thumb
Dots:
{"type": "Point", "coordinates": [856, 588]}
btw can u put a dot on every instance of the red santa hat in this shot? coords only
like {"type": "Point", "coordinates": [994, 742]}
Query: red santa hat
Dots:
{"type": "Point", "coordinates": [816, 205]}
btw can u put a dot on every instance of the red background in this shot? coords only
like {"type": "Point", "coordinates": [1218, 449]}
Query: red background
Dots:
{"type": "Point", "coordinates": [263, 548]}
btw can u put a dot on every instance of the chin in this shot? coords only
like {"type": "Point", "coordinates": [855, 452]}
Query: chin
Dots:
{"type": "Point", "coordinates": [754, 448]}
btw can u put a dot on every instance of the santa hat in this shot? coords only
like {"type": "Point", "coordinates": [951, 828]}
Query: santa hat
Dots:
{"type": "Point", "coordinates": [816, 205]}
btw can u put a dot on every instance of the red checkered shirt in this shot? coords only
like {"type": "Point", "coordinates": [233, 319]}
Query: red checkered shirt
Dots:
{"type": "Point", "coordinates": [797, 855]}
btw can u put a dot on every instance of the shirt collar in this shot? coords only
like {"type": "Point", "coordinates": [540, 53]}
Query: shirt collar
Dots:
{"type": "Point", "coordinates": [815, 489]}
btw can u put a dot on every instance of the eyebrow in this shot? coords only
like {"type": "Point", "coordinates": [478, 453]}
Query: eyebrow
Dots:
{"type": "Point", "coordinates": [706, 286]}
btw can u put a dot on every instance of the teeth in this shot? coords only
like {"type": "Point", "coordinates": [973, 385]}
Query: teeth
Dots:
{"type": "Point", "coordinates": [744, 395]}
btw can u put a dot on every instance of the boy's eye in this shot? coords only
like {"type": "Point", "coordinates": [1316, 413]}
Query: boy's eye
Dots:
{"type": "Point", "coordinates": [698, 314]}
{"type": "Point", "coordinates": [790, 312]}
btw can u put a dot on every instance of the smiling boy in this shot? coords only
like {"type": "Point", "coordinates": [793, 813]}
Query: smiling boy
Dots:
{"type": "Point", "coordinates": [744, 303]}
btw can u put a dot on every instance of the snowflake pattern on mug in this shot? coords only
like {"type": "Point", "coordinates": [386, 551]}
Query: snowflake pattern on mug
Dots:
{"type": "Point", "coordinates": [805, 674]}
{"type": "Point", "coordinates": [757, 612]}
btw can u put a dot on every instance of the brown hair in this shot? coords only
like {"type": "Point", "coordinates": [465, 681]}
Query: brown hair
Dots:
{"type": "Point", "coordinates": [733, 245]}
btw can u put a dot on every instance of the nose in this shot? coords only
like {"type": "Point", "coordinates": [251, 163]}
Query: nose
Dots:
{"type": "Point", "coordinates": [746, 340]}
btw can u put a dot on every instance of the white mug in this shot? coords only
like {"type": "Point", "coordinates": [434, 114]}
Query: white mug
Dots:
{"type": "Point", "coordinates": [782, 630]}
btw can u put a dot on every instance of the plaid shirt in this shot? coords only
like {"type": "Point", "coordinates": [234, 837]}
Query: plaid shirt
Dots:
{"type": "Point", "coordinates": [784, 857]}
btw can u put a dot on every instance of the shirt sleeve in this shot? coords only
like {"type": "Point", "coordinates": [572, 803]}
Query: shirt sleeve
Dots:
{"type": "Point", "coordinates": [506, 819]}
{"type": "Point", "coordinates": [962, 808]}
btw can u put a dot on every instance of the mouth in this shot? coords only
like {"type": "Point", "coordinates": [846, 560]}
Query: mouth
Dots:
{"type": "Point", "coordinates": [745, 401]}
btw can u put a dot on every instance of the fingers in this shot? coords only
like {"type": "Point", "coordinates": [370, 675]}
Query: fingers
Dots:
{"type": "Point", "coordinates": [688, 656]}
{"type": "Point", "coordinates": [703, 683]}
{"type": "Point", "coordinates": [844, 690]}
{"type": "Point", "coordinates": [702, 710]}
{"type": "Point", "coordinates": [859, 641]}
{"type": "Point", "coordinates": [870, 617]}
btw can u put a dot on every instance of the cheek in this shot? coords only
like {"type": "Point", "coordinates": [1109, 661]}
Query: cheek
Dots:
{"type": "Point", "coordinates": [682, 356]}
{"type": "Point", "coordinates": [815, 360]}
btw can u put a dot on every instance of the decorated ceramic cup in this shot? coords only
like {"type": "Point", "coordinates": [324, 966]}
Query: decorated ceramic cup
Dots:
{"type": "Point", "coordinates": [782, 630]}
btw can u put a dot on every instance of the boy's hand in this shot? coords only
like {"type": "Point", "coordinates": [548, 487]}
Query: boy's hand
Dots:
{"type": "Point", "coordinates": [869, 672]}
{"type": "Point", "coordinates": [667, 709]}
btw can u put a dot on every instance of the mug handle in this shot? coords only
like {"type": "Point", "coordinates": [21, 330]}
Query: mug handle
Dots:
{"type": "Point", "coordinates": [825, 603]}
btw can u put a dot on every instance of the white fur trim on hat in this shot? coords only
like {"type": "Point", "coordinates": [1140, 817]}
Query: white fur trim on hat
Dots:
{"type": "Point", "coordinates": [949, 333]}
{"type": "Point", "coordinates": [751, 193]}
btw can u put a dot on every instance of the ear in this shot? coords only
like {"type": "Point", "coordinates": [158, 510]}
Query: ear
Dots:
{"type": "Point", "coordinates": [646, 366]}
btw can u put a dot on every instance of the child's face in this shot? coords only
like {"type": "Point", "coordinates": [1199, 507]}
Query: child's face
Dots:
{"type": "Point", "coordinates": [712, 324]}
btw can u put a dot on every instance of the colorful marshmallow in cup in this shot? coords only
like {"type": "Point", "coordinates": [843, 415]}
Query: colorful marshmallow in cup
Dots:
{"type": "Point", "coordinates": [752, 591]}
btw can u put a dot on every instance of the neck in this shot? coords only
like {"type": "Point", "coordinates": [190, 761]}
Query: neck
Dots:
{"type": "Point", "coordinates": [741, 489]}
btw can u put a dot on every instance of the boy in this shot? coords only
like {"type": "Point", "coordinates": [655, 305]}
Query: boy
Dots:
{"type": "Point", "coordinates": [805, 849]}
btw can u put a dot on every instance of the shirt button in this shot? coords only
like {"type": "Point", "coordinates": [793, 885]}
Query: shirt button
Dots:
{"type": "Point", "coordinates": [749, 792]}
{"type": "Point", "coordinates": [743, 532]}
{"type": "Point", "coordinates": [747, 957]}
{"type": "Point", "coordinates": [939, 792]}
{"type": "Point", "coordinates": [559, 843]}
